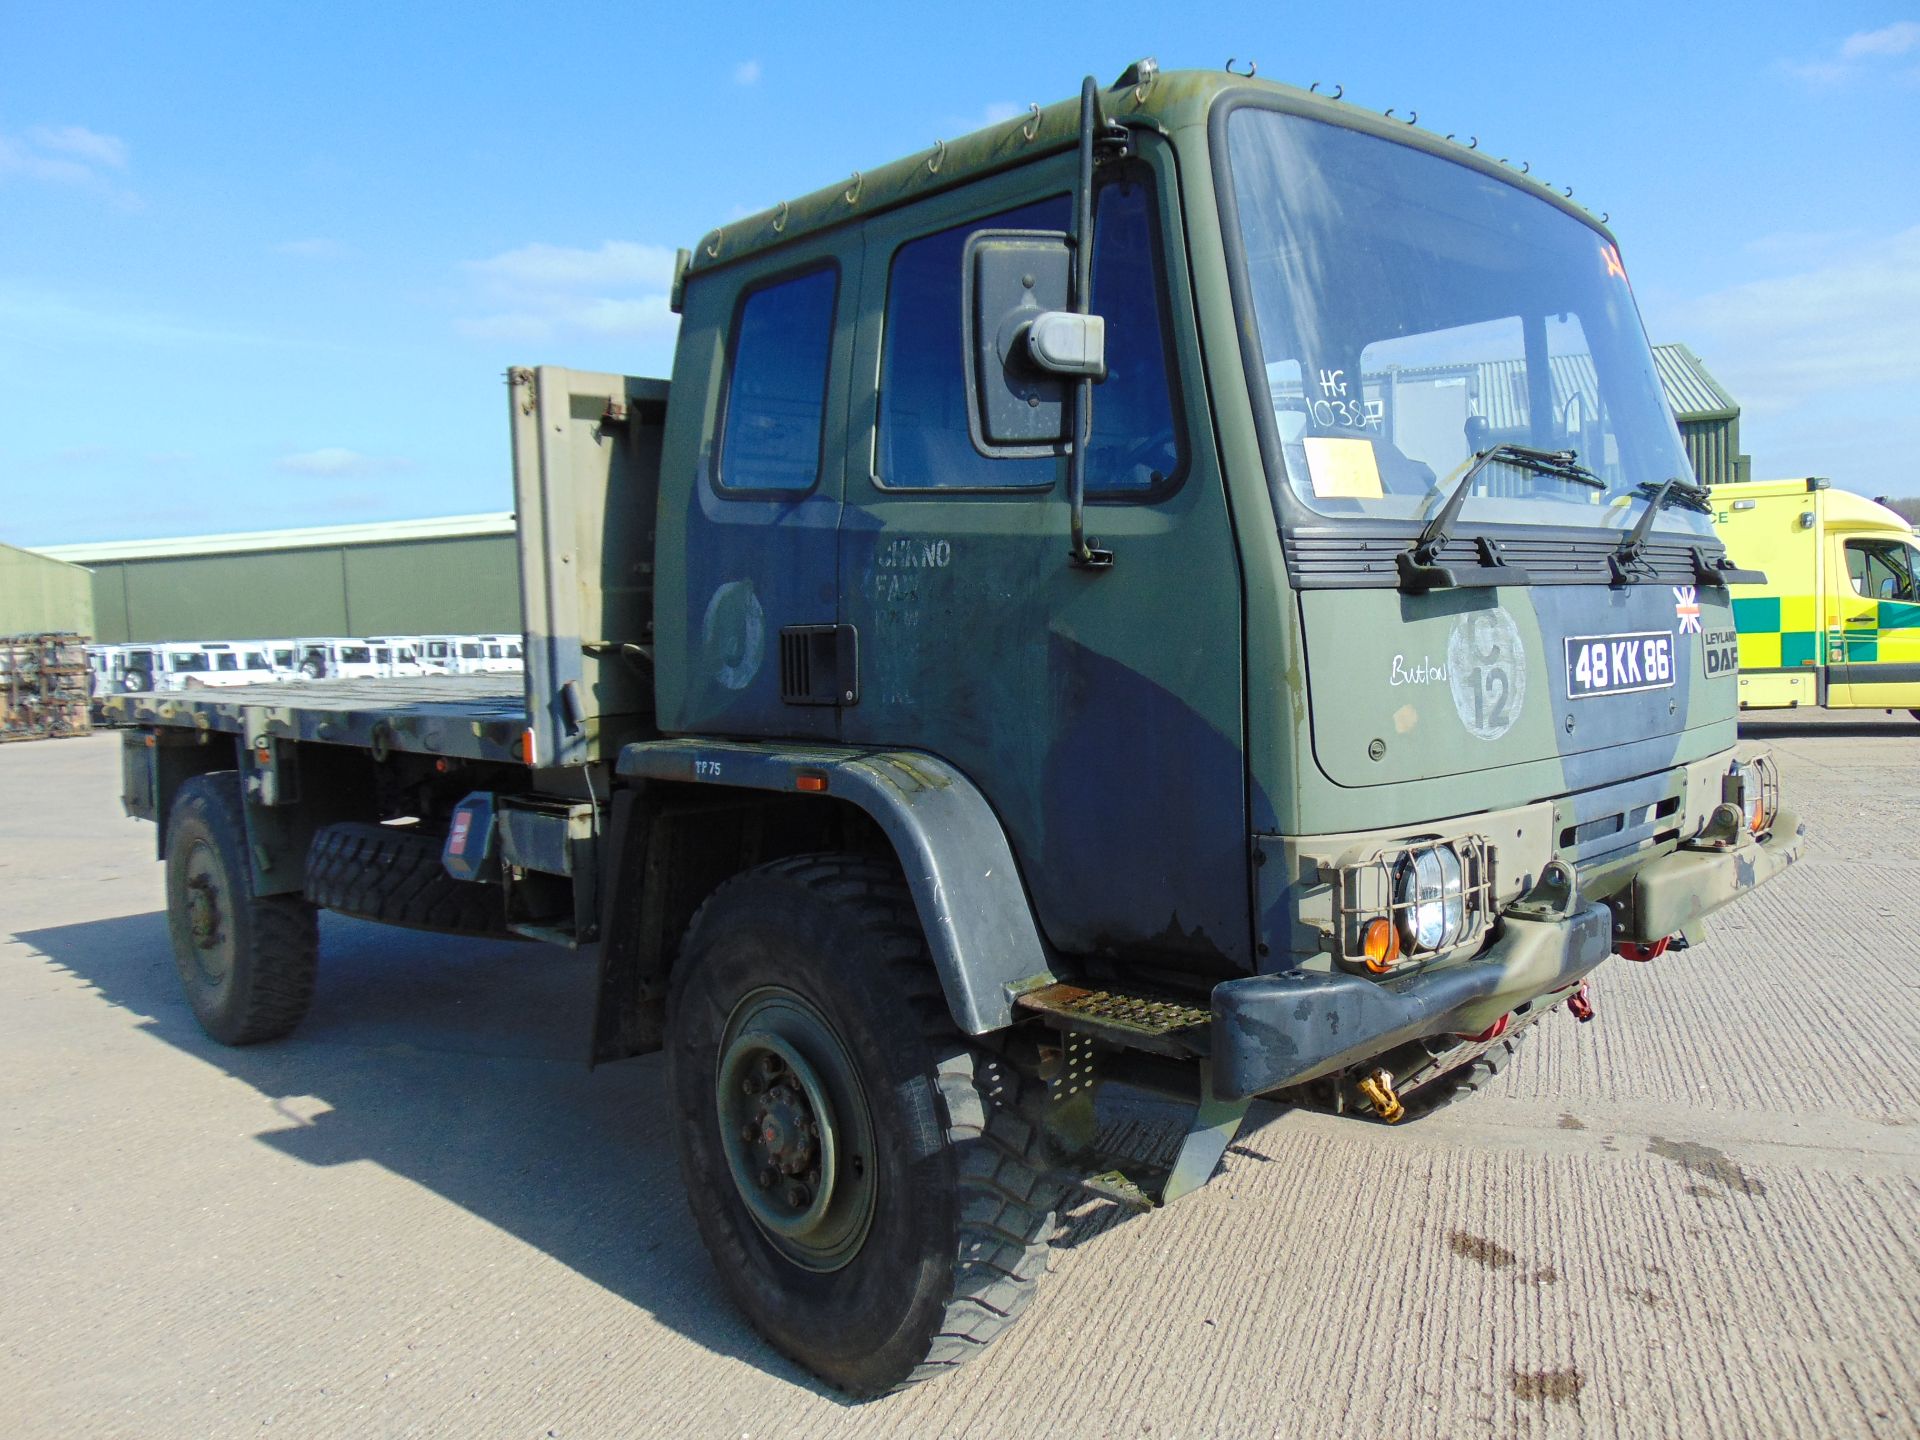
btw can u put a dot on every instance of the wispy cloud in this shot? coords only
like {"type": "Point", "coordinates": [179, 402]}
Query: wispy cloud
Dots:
{"type": "Point", "coordinates": [747, 72]}
{"type": "Point", "coordinates": [314, 248]}
{"type": "Point", "coordinates": [89, 147]}
{"type": "Point", "coordinates": [996, 112]}
{"type": "Point", "coordinates": [28, 312]}
{"type": "Point", "coordinates": [65, 155]}
{"type": "Point", "coordinates": [539, 291]}
{"type": "Point", "coordinates": [1847, 323]}
{"type": "Point", "coordinates": [1863, 52]}
{"type": "Point", "coordinates": [333, 461]}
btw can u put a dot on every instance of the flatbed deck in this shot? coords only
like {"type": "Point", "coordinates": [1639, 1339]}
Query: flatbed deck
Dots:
{"type": "Point", "coordinates": [471, 717]}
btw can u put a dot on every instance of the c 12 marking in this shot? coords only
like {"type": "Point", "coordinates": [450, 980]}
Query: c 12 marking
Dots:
{"type": "Point", "coordinates": [1619, 664]}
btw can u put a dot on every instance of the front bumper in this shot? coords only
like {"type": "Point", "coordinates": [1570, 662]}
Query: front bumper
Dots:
{"type": "Point", "coordinates": [1271, 1031]}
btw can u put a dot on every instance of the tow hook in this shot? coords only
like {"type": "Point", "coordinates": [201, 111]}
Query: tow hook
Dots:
{"type": "Point", "coordinates": [1580, 1003]}
{"type": "Point", "coordinates": [1378, 1088]}
{"type": "Point", "coordinates": [1492, 1033]}
{"type": "Point", "coordinates": [1629, 950]}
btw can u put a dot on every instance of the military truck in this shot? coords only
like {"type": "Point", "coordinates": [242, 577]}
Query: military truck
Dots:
{"type": "Point", "coordinates": [1185, 588]}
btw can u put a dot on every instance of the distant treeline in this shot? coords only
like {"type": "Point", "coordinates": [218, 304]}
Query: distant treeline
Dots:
{"type": "Point", "coordinates": [1907, 507]}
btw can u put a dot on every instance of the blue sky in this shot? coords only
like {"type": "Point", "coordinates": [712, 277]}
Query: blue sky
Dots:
{"type": "Point", "coordinates": [264, 264]}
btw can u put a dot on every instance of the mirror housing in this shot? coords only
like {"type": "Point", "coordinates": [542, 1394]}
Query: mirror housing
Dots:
{"type": "Point", "coordinates": [1024, 347]}
{"type": "Point", "coordinates": [1061, 342]}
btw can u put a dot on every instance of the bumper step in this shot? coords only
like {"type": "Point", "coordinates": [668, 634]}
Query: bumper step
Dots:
{"type": "Point", "coordinates": [1158, 1024]}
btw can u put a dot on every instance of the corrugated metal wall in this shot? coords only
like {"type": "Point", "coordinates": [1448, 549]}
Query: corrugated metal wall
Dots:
{"type": "Point", "coordinates": [459, 585]}
{"type": "Point", "coordinates": [39, 594]}
{"type": "Point", "coordinates": [1714, 448]}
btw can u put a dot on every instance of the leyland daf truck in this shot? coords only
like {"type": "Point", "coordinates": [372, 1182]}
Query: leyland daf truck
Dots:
{"type": "Point", "coordinates": [1189, 587]}
{"type": "Point", "coordinates": [1837, 620]}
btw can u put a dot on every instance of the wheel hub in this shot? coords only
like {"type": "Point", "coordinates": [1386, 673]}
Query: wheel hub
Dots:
{"type": "Point", "coordinates": [208, 929]}
{"type": "Point", "coordinates": [795, 1128]}
{"type": "Point", "coordinates": [203, 914]}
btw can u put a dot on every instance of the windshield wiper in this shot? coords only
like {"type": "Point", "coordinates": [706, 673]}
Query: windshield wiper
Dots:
{"type": "Point", "coordinates": [1418, 568]}
{"type": "Point", "coordinates": [1670, 491]}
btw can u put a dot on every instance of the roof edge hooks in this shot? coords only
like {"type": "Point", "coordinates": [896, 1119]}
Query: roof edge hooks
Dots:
{"type": "Point", "coordinates": [1567, 190]}
{"type": "Point", "coordinates": [1148, 71]}
{"type": "Point", "coordinates": [938, 156]}
{"type": "Point", "coordinates": [1526, 168]}
{"type": "Point", "coordinates": [1337, 91]}
{"type": "Point", "coordinates": [780, 218]}
{"type": "Point", "coordinates": [1253, 68]}
{"type": "Point", "coordinates": [1413, 117]}
{"type": "Point", "coordinates": [1605, 216]}
{"type": "Point", "coordinates": [1032, 126]}
{"type": "Point", "coordinates": [853, 191]}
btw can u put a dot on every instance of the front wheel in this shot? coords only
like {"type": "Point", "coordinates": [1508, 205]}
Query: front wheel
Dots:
{"type": "Point", "coordinates": [860, 1173]}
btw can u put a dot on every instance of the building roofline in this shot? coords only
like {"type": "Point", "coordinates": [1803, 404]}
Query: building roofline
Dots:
{"type": "Point", "coordinates": [382, 532]}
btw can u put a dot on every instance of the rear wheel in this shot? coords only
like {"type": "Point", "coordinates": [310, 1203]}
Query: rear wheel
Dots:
{"type": "Point", "coordinates": [246, 961]}
{"type": "Point", "coordinates": [860, 1172]}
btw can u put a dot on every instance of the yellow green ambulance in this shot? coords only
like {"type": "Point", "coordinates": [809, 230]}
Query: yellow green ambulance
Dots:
{"type": "Point", "coordinates": [1837, 622]}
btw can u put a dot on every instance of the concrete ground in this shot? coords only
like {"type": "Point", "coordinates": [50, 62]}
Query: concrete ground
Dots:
{"type": "Point", "coordinates": [1698, 1215]}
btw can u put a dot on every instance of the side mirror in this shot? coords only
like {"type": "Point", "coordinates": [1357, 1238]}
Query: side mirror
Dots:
{"type": "Point", "coordinates": [1024, 348]}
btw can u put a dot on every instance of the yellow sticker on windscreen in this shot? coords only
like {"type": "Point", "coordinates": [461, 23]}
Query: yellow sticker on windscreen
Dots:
{"type": "Point", "coordinates": [1342, 469]}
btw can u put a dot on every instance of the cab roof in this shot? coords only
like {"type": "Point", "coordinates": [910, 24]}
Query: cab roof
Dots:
{"type": "Point", "coordinates": [1143, 96]}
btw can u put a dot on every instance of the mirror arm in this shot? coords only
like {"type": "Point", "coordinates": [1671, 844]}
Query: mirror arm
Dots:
{"type": "Point", "coordinates": [1082, 552]}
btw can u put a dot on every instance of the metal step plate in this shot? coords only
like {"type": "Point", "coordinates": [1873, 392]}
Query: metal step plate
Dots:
{"type": "Point", "coordinates": [1142, 1022]}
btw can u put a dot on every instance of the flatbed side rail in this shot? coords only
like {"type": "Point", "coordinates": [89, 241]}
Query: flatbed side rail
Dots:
{"type": "Point", "coordinates": [464, 717]}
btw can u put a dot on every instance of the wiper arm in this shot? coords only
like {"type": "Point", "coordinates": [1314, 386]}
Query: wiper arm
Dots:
{"type": "Point", "coordinates": [1418, 571]}
{"type": "Point", "coordinates": [1670, 491]}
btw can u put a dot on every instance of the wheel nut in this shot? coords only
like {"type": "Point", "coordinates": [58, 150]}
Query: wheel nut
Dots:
{"type": "Point", "coordinates": [765, 1178]}
{"type": "Point", "coordinates": [797, 1196]}
{"type": "Point", "coordinates": [747, 1133]}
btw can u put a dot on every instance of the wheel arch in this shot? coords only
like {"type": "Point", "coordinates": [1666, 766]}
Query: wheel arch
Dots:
{"type": "Point", "coordinates": [949, 844]}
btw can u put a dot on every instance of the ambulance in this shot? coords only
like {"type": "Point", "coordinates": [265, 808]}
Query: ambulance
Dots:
{"type": "Point", "coordinates": [1837, 622]}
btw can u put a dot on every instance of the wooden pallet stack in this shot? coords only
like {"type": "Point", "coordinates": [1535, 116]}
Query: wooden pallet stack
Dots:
{"type": "Point", "coordinates": [44, 684]}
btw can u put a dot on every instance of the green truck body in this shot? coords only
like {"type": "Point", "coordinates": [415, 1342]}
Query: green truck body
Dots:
{"type": "Point", "coordinates": [1040, 571]}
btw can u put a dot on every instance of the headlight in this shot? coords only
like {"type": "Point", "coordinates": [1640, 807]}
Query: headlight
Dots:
{"type": "Point", "coordinates": [1429, 898]}
{"type": "Point", "coordinates": [1410, 901]}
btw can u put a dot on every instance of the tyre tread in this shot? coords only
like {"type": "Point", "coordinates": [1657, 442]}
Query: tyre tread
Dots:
{"type": "Point", "coordinates": [1008, 1201]}
{"type": "Point", "coordinates": [395, 876]}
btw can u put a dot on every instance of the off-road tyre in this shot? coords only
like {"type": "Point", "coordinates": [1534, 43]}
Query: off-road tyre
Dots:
{"type": "Point", "coordinates": [248, 972]}
{"type": "Point", "coordinates": [393, 874]}
{"type": "Point", "coordinates": [1463, 1080]}
{"type": "Point", "coordinates": [964, 1210]}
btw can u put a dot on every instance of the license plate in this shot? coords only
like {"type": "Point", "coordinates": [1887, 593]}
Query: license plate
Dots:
{"type": "Point", "coordinates": [1619, 664]}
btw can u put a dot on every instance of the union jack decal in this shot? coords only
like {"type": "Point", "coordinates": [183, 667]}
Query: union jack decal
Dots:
{"type": "Point", "coordinates": [1686, 605]}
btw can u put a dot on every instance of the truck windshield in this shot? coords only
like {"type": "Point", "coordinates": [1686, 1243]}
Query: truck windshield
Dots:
{"type": "Point", "coordinates": [1411, 311]}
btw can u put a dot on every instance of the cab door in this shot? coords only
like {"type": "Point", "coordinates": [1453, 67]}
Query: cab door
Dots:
{"type": "Point", "coordinates": [1099, 711]}
{"type": "Point", "coordinates": [1878, 599]}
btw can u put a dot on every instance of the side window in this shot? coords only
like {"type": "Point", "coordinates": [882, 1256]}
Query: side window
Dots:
{"type": "Point", "coordinates": [1879, 570]}
{"type": "Point", "coordinates": [923, 438]}
{"type": "Point", "coordinates": [1135, 445]}
{"type": "Point", "coordinates": [227, 660]}
{"type": "Point", "coordinates": [777, 385]}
